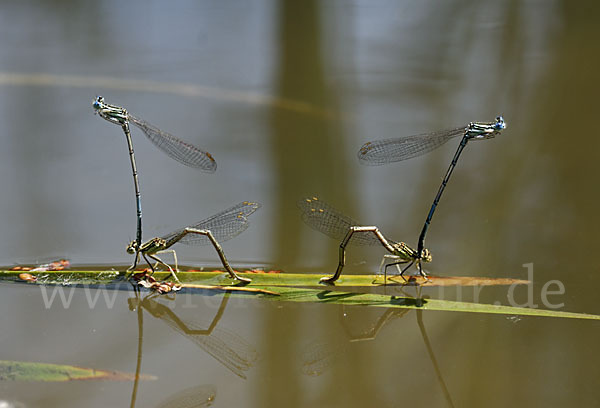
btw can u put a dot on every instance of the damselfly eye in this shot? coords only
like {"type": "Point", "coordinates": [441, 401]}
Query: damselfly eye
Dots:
{"type": "Point", "coordinates": [500, 123]}
{"type": "Point", "coordinates": [426, 255]}
{"type": "Point", "coordinates": [131, 247]}
{"type": "Point", "coordinates": [97, 104]}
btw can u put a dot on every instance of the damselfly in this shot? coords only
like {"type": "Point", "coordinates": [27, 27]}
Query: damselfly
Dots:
{"type": "Point", "coordinates": [218, 228]}
{"type": "Point", "coordinates": [328, 220]}
{"type": "Point", "coordinates": [402, 148]}
{"type": "Point", "coordinates": [175, 148]}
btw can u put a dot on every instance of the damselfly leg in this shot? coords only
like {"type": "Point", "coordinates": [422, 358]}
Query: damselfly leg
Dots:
{"type": "Point", "coordinates": [330, 221]}
{"type": "Point", "coordinates": [218, 228]}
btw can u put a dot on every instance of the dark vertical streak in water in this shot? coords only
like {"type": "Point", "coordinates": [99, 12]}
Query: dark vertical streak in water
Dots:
{"type": "Point", "coordinates": [543, 208]}
{"type": "Point", "coordinates": [563, 230]}
{"type": "Point", "coordinates": [307, 158]}
{"type": "Point", "coordinates": [307, 150]}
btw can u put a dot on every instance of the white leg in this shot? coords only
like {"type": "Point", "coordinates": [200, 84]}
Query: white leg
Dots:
{"type": "Point", "coordinates": [387, 256]}
{"type": "Point", "coordinates": [158, 260]}
{"type": "Point", "coordinates": [396, 264]}
{"type": "Point", "coordinates": [170, 251]}
{"type": "Point", "coordinates": [398, 268]}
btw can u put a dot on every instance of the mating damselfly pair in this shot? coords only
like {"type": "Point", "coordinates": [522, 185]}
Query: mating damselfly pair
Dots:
{"type": "Point", "coordinates": [220, 227]}
{"type": "Point", "coordinates": [328, 220]}
{"type": "Point", "coordinates": [315, 213]}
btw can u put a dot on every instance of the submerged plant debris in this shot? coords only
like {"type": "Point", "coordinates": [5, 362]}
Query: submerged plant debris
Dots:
{"type": "Point", "coordinates": [31, 371]}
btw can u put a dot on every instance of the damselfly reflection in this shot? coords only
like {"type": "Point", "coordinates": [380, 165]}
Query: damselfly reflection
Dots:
{"type": "Point", "coordinates": [193, 397]}
{"type": "Point", "coordinates": [319, 356]}
{"type": "Point", "coordinates": [227, 348]}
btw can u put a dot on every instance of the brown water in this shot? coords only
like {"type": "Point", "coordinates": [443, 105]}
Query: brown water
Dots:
{"type": "Point", "coordinates": [283, 94]}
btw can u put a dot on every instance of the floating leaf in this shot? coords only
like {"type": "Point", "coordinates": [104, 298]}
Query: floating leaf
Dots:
{"type": "Point", "coordinates": [305, 279]}
{"type": "Point", "coordinates": [387, 301]}
{"type": "Point", "coordinates": [297, 288]}
{"type": "Point", "coordinates": [221, 278]}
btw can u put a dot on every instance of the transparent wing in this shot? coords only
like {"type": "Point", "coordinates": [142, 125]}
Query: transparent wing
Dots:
{"type": "Point", "coordinates": [175, 148]}
{"type": "Point", "coordinates": [318, 357]}
{"type": "Point", "coordinates": [193, 397]}
{"type": "Point", "coordinates": [224, 225]}
{"type": "Point", "coordinates": [403, 148]}
{"type": "Point", "coordinates": [227, 348]}
{"type": "Point", "coordinates": [324, 218]}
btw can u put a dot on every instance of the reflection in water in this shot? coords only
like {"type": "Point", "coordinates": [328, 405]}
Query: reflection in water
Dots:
{"type": "Point", "coordinates": [303, 156]}
{"type": "Point", "coordinates": [436, 367]}
{"type": "Point", "coordinates": [319, 356]}
{"type": "Point", "coordinates": [200, 396]}
{"type": "Point", "coordinates": [382, 61]}
{"type": "Point", "coordinates": [140, 319]}
{"type": "Point", "coordinates": [227, 348]}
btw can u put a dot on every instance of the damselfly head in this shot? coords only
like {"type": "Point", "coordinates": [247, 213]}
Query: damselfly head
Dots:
{"type": "Point", "coordinates": [500, 123]}
{"type": "Point", "coordinates": [98, 102]}
{"type": "Point", "coordinates": [426, 255]}
{"type": "Point", "coordinates": [485, 130]}
{"type": "Point", "coordinates": [132, 247]}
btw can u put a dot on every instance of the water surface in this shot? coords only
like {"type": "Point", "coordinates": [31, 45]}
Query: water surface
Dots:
{"type": "Point", "coordinates": [283, 94]}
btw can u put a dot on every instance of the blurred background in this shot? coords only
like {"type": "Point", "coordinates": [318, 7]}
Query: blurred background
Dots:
{"type": "Point", "coordinates": [283, 94]}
